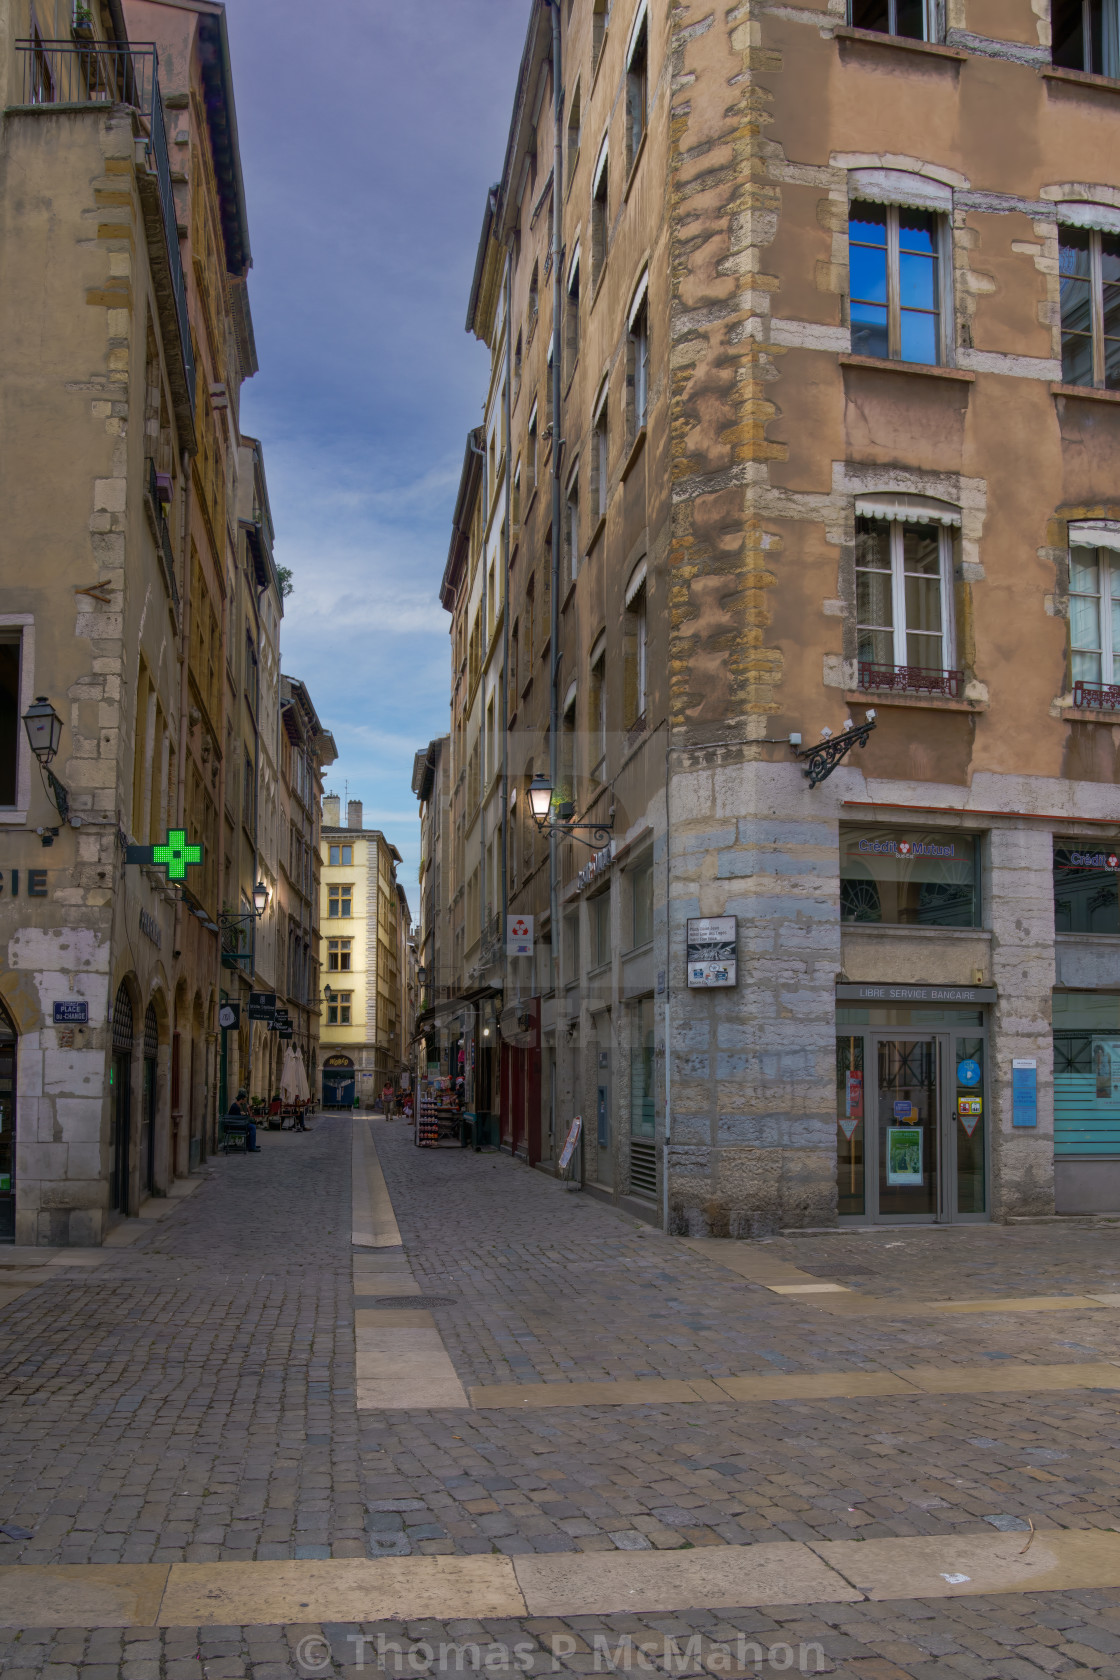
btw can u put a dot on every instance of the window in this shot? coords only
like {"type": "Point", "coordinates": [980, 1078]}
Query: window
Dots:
{"type": "Point", "coordinates": [600, 227]}
{"type": "Point", "coordinates": [641, 904]}
{"type": "Point", "coordinates": [571, 349]}
{"type": "Point", "coordinates": [638, 360]}
{"type": "Point", "coordinates": [1089, 265]}
{"type": "Point", "coordinates": [575, 126]}
{"type": "Point", "coordinates": [566, 792]}
{"type": "Point", "coordinates": [904, 606]}
{"type": "Point", "coordinates": [914, 879]}
{"type": "Point", "coordinates": [534, 301]}
{"type": "Point", "coordinates": [340, 855]}
{"type": "Point", "coordinates": [517, 360]}
{"type": "Point", "coordinates": [338, 1009]}
{"type": "Point", "coordinates": [10, 721]}
{"type": "Point", "coordinates": [514, 661]}
{"type": "Point", "coordinates": [599, 916]}
{"type": "Point", "coordinates": [600, 24]}
{"type": "Point", "coordinates": [599, 710]}
{"type": "Point", "coordinates": [1094, 621]}
{"type": "Point", "coordinates": [338, 901]}
{"type": "Point", "coordinates": [571, 527]}
{"type": "Point", "coordinates": [1085, 889]}
{"type": "Point", "coordinates": [1085, 35]}
{"type": "Point", "coordinates": [600, 460]}
{"type": "Point", "coordinates": [919, 20]}
{"type": "Point", "coordinates": [338, 955]}
{"type": "Point", "coordinates": [642, 1122]}
{"type": "Point", "coordinates": [1086, 1074]}
{"type": "Point", "coordinates": [571, 947]}
{"type": "Point", "coordinates": [637, 92]}
{"type": "Point", "coordinates": [895, 283]}
{"type": "Point", "coordinates": [533, 457]}
{"type": "Point", "coordinates": [549, 391]}
{"type": "Point", "coordinates": [636, 655]}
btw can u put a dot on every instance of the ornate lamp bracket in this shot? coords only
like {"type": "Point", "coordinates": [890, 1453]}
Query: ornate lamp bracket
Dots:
{"type": "Point", "coordinates": [822, 758]}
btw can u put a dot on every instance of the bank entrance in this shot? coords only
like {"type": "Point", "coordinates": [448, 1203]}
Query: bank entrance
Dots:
{"type": "Point", "coordinates": [911, 1115]}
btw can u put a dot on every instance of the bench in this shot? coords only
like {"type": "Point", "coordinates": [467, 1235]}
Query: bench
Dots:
{"type": "Point", "coordinates": [233, 1129]}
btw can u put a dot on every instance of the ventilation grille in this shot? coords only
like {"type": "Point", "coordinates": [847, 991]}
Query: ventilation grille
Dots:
{"type": "Point", "coordinates": [643, 1167]}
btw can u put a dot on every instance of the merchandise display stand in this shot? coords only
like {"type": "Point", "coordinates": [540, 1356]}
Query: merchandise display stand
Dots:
{"type": "Point", "coordinates": [438, 1120]}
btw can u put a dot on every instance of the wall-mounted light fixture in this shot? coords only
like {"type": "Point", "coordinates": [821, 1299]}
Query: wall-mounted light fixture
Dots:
{"type": "Point", "coordinates": [44, 733]}
{"type": "Point", "coordinates": [540, 797]}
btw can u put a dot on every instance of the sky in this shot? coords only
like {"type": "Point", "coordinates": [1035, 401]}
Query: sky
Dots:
{"type": "Point", "coordinates": [370, 133]}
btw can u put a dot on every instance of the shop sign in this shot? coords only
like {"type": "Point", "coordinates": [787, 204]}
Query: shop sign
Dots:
{"type": "Point", "coordinates": [915, 994]}
{"type": "Point", "coordinates": [36, 883]}
{"type": "Point", "coordinates": [712, 945]}
{"type": "Point", "coordinates": [262, 1006]}
{"type": "Point", "coordinates": [229, 1015]}
{"type": "Point", "coordinates": [285, 1030]}
{"type": "Point", "coordinates": [73, 1012]}
{"type": "Point", "coordinates": [592, 870]}
{"type": "Point", "coordinates": [1087, 860]}
{"type": "Point", "coordinates": [1024, 1091]}
{"type": "Point", "coordinates": [519, 936]}
{"type": "Point", "coordinates": [912, 848]}
{"type": "Point", "coordinates": [176, 855]}
{"type": "Point", "coordinates": [341, 1062]}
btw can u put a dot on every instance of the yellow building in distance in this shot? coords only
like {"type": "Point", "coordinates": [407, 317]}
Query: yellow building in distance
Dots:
{"type": "Point", "coordinates": [361, 907]}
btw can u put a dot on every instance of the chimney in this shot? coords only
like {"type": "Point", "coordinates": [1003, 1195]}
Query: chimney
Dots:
{"type": "Point", "coordinates": [332, 817]}
{"type": "Point", "coordinates": [354, 814]}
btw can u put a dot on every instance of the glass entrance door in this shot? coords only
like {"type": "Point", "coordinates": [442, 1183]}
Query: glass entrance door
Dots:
{"type": "Point", "coordinates": [907, 1128]}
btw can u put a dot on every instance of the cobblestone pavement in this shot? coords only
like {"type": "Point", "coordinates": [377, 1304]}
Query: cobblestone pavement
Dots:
{"type": "Point", "coordinates": [192, 1399]}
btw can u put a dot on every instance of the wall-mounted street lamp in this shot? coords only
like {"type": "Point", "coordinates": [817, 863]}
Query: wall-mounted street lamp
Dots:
{"type": "Point", "coordinates": [260, 899]}
{"type": "Point", "coordinates": [228, 920]}
{"type": "Point", "coordinates": [44, 733]}
{"type": "Point", "coordinates": [540, 806]}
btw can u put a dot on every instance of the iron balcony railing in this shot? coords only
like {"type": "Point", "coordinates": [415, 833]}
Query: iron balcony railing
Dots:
{"type": "Point", "coordinates": [1096, 697]}
{"type": "Point", "coordinates": [910, 679]}
{"type": "Point", "coordinates": [98, 73]}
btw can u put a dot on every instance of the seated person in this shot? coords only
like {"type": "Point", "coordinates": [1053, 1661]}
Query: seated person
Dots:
{"type": "Point", "coordinates": [239, 1110]}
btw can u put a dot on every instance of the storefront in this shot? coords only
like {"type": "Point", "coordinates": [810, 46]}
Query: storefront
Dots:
{"type": "Point", "coordinates": [912, 1136]}
{"type": "Point", "coordinates": [1087, 1102]}
{"type": "Point", "coordinates": [339, 1082]}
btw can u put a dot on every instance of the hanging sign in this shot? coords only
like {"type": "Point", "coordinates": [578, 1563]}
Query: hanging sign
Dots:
{"type": "Point", "coordinates": [176, 855]}
{"type": "Point", "coordinates": [712, 944]}
{"type": "Point", "coordinates": [570, 1142]}
{"type": "Point", "coordinates": [519, 936]}
{"type": "Point", "coordinates": [262, 1006]}
{"type": "Point", "coordinates": [229, 1015]}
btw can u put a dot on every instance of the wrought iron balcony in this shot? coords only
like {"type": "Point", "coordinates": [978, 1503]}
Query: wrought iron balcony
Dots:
{"type": "Point", "coordinates": [89, 72]}
{"type": "Point", "coordinates": [910, 679]}
{"type": "Point", "coordinates": [1096, 697]}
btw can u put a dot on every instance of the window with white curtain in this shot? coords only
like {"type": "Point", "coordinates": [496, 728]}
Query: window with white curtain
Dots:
{"type": "Point", "coordinates": [1094, 618]}
{"type": "Point", "coordinates": [904, 601]}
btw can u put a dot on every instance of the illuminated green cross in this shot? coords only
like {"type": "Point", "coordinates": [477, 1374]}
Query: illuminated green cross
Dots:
{"type": "Point", "coordinates": [176, 854]}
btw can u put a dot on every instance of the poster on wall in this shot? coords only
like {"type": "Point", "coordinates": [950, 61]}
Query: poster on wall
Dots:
{"type": "Point", "coordinates": [904, 1155]}
{"type": "Point", "coordinates": [712, 945]}
{"type": "Point", "coordinates": [1106, 1066]}
{"type": "Point", "coordinates": [969, 1110]}
{"type": "Point", "coordinates": [855, 1097]}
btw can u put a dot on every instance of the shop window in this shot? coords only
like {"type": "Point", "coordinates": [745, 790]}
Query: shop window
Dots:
{"type": "Point", "coordinates": [1086, 1073]}
{"type": "Point", "coordinates": [641, 904]}
{"type": "Point", "coordinates": [909, 879]}
{"type": "Point", "coordinates": [1089, 266]}
{"type": "Point", "coordinates": [904, 607]}
{"type": "Point", "coordinates": [1085, 35]}
{"type": "Point", "coordinates": [917, 20]}
{"type": "Point", "coordinates": [849, 1124]}
{"type": "Point", "coordinates": [1085, 888]}
{"type": "Point", "coordinates": [893, 253]}
{"type": "Point", "coordinates": [339, 901]}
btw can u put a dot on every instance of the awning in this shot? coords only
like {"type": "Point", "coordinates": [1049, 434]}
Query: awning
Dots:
{"type": "Point", "coordinates": [914, 510]}
{"type": "Point", "coordinates": [899, 186]}
{"type": "Point", "coordinates": [1094, 533]}
{"type": "Point", "coordinates": [1100, 216]}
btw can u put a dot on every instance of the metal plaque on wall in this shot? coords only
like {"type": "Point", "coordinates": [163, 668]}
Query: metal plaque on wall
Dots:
{"type": "Point", "coordinates": [712, 951]}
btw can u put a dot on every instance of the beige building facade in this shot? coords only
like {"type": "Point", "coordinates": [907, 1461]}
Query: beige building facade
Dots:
{"type": "Point", "coordinates": [363, 960]}
{"type": "Point", "coordinates": [801, 408]}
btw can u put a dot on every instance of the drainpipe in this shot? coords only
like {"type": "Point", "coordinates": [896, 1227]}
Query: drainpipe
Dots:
{"type": "Point", "coordinates": [557, 444]}
{"type": "Point", "coordinates": [506, 543]}
{"type": "Point", "coordinates": [483, 649]}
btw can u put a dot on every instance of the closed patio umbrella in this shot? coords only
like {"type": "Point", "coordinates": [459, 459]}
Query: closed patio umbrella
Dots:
{"type": "Point", "coordinates": [289, 1078]}
{"type": "Point", "coordinates": [303, 1091]}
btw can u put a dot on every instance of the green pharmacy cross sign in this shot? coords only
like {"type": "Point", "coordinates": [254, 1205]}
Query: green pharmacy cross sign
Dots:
{"type": "Point", "coordinates": [176, 856]}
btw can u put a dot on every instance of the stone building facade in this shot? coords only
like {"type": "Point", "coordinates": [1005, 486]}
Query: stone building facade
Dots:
{"type": "Point", "coordinates": [826, 408]}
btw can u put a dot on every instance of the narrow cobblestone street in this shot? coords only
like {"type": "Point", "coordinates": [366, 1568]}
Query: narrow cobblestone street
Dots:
{"type": "Point", "coordinates": [192, 1400]}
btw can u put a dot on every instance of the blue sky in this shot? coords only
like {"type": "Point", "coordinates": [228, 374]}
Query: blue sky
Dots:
{"type": "Point", "coordinates": [370, 132]}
